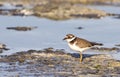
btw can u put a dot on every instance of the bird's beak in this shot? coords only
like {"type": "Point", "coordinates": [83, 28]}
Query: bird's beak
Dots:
{"type": "Point", "coordinates": [64, 38]}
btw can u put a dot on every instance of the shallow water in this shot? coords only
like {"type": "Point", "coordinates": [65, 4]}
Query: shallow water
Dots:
{"type": "Point", "coordinates": [50, 33]}
{"type": "Point", "coordinates": [109, 9]}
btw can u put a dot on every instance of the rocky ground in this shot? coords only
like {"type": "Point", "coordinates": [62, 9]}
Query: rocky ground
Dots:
{"type": "Point", "coordinates": [57, 63]}
{"type": "Point", "coordinates": [56, 10]}
{"type": "Point", "coordinates": [27, 2]}
{"type": "Point", "coordinates": [67, 11]}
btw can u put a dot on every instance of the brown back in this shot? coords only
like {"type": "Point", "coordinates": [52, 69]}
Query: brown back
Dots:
{"type": "Point", "coordinates": [81, 42]}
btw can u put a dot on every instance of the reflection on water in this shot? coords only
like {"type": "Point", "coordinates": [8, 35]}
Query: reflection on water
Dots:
{"type": "Point", "coordinates": [50, 33]}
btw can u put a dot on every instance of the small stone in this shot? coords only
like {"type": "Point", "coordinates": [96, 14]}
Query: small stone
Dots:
{"type": "Point", "coordinates": [21, 28]}
{"type": "Point", "coordinates": [80, 28]}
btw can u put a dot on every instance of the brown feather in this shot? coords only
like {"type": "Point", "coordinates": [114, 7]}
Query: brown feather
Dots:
{"type": "Point", "coordinates": [94, 43]}
{"type": "Point", "coordinates": [82, 43]}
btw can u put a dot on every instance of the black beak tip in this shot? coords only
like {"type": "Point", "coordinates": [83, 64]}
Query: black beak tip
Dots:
{"type": "Point", "coordinates": [64, 38]}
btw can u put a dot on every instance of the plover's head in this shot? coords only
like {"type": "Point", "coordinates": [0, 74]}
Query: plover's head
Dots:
{"type": "Point", "coordinates": [2, 46]}
{"type": "Point", "coordinates": [69, 37]}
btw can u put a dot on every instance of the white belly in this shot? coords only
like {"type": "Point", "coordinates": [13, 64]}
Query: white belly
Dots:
{"type": "Point", "coordinates": [76, 48]}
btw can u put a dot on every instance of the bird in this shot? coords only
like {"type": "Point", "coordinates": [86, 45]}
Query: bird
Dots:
{"type": "Point", "coordinates": [3, 47]}
{"type": "Point", "coordinates": [79, 44]}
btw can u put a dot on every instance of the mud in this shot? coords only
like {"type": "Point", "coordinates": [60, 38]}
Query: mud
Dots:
{"type": "Point", "coordinates": [51, 62]}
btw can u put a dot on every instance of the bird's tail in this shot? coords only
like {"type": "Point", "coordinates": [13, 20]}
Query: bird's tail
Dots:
{"type": "Point", "coordinates": [6, 49]}
{"type": "Point", "coordinates": [94, 43]}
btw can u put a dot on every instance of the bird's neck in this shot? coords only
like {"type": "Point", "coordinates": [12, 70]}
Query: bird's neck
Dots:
{"type": "Point", "coordinates": [71, 40]}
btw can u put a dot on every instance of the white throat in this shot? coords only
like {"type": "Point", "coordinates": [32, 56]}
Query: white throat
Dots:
{"type": "Point", "coordinates": [69, 40]}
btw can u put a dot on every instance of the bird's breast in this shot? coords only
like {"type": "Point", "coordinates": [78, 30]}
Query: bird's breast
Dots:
{"type": "Point", "coordinates": [74, 47]}
{"type": "Point", "coordinates": [77, 48]}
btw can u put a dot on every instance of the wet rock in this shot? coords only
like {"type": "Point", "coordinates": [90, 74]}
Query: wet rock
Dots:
{"type": "Point", "coordinates": [36, 2]}
{"type": "Point", "coordinates": [50, 62]}
{"type": "Point", "coordinates": [18, 11]}
{"type": "Point", "coordinates": [7, 11]}
{"type": "Point", "coordinates": [79, 28]}
{"type": "Point", "coordinates": [1, 5]}
{"type": "Point", "coordinates": [117, 17]}
{"type": "Point", "coordinates": [19, 5]}
{"type": "Point", "coordinates": [117, 45]}
{"type": "Point", "coordinates": [61, 12]}
{"type": "Point", "coordinates": [21, 28]}
{"type": "Point", "coordinates": [57, 10]}
{"type": "Point", "coordinates": [87, 16]}
{"type": "Point", "coordinates": [26, 12]}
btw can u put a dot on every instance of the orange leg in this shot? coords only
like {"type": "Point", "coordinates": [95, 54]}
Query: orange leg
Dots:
{"type": "Point", "coordinates": [81, 57]}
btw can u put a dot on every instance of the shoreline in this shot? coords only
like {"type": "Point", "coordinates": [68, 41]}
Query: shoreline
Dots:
{"type": "Point", "coordinates": [58, 63]}
{"type": "Point", "coordinates": [55, 11]}
{"type": "Point", "coordinates": [60, 1]}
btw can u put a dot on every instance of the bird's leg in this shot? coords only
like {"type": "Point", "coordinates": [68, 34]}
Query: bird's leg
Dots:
{"type": "Point", "coordinates": [80, 57]}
